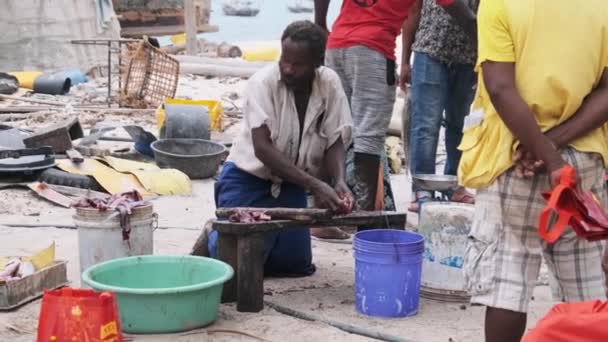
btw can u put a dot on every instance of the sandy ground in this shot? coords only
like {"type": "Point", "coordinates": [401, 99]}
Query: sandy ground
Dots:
{"type": "Point", "coordinates": [328, 294]}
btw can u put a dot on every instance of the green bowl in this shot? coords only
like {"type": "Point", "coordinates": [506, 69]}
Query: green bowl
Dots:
{"type": "Point", "coordinates": [162, 294]}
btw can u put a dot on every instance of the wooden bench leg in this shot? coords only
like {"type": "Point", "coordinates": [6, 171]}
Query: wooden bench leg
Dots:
{"type": "Point", "coordinates": [227, 252]}
{"type": "Point", "coordinates": [250, 281]}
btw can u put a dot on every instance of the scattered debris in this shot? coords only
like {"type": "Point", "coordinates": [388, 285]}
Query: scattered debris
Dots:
{"type": "Point", "coordinates": [8, 84]}
{"type": "Point", "coordinates": [394, 152]}
{"type": "Point", "coordinates": [59, 136]}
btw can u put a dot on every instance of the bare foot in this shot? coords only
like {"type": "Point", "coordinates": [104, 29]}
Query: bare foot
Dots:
{"type": "Point", "coordinates": [334, 233]}
{"type": "Point", "coordinates": [201, 247]}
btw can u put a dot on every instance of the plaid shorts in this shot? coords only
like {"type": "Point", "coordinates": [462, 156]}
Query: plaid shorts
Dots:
{"type": "Point", "coordinates": [504, 253]}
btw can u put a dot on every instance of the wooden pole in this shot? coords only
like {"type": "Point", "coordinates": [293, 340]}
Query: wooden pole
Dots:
{"type": "Point", "coordinates": [191, 29]}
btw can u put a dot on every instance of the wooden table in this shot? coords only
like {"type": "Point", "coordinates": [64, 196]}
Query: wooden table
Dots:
{"type": "Point", "coordinates": [241, 245]}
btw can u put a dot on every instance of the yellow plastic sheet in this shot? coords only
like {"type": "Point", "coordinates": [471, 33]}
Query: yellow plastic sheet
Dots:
{"type": "Point", "coordinates": [113, 181]}
{"type": "Point", "coordinates": [153, 178]}
{"type": "Point", "coordinates": [44, 258]}
{"type": "Point", "coordinates": [214, 106]}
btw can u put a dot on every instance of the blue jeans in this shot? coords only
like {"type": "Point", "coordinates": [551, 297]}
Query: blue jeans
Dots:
{"type": "Point", "coordinates": [438, 88]}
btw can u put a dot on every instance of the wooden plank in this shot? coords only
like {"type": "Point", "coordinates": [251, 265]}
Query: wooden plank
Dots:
{"type": "Point", "coordinates": [190, 24]}
{"type": "Point", "coordinates": [74, 156]}
{"type": "Point", "coordinates": [278, 213]}
{"type": "Point", "coordinates": [163, 30]}
{"type": "Point", "coordinates": [25, 99]}
{"type": "Point", "coordinates": [227, 252]}
{"type": "Point", "coordinates": [78, 192]}
{"type": "Point", "coordinates": [378, 220]}
{"type": "Point", "coordinates": [44, 191]}
{"type": "Point", "coordinates": [251, 273]}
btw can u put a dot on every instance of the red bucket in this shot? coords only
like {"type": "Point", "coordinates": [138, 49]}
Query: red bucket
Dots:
{"type": "Point", "coordinates": [68, 315]}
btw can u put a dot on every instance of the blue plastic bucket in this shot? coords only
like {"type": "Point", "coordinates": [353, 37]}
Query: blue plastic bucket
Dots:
{"type": "Point", "coordinates": [388, 267]}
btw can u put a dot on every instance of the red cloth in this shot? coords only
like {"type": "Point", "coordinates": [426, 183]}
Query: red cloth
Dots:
{"type": "Point", "coordinates": [371, 23]}
{"type": "Point", "coordinates": [572, 322]}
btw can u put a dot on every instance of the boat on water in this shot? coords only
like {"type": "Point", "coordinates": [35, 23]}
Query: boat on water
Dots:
{"type": "Point", "coordinates": [241, 8]}
{"type": "Point", "coordinates": [301, 6]}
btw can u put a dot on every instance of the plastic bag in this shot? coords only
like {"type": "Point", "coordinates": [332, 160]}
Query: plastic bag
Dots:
{"type": "Point", "coordinates": [572, 322]}
{"type": "Point", "coordinates": [79, 315]}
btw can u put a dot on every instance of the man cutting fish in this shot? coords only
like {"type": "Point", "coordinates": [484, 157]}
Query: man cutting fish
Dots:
{"type": "Point", "coordinates": [296, 125]}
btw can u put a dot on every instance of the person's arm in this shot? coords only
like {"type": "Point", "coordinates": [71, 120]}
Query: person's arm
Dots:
{"type": "Point", "coordinates": [499, 80]}
{"type": "Point", "coordinates": [334, 162]}
{"type": "Point", "coordinates": [463, 15]}
{"type": "Point", "coordinates": [321, 7]}
{"type": "Point", "coordinates": [408, 35]}
{"type": "Point", "coordinates": [593, 113]}
{"type": "Point", "coordinates": [286, 170]}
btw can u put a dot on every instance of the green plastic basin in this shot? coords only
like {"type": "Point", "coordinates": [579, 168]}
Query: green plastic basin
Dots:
{"type": "Point", "coordinates": [162, 294]}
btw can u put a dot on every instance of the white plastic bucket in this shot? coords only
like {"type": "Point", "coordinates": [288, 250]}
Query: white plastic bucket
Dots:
{"type": "Point", "coordinates": [100, 239]}
{"type": "Point", "coordinates": [445, 227]}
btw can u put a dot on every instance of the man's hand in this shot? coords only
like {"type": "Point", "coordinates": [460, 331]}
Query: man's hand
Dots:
{"type": "Point", "coordinates": [406, 76]}
{"type": "Point", "coordinates": [346, 196]}
{"type": "Point", "coordinates": [325, 196]}
{"type": "Point", "coordinates": [526, 166]}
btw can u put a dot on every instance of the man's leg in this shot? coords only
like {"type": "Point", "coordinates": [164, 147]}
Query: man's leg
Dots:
{"type": "Point", "coordinates": [504, 325]}
{"type": "Point", "coordinates": [461, 81]}
{"type": "Point", "coordinates": [428, 99]}
{"type": "Point", "coordinates": [503, 255]}
{"type": "Point", "coordinates": [373, 96]}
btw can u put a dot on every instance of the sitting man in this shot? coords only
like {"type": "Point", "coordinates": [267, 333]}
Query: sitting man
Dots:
{"type": "Point", "coordinates": [297, 124]}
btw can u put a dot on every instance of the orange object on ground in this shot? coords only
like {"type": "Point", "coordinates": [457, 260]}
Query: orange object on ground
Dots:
{"type": "Point", "coordinates": [574, 208]}
{"type": "Point", "coordinates": [572, 322]}
{"type": "Point", "coordinates": [79, 315]}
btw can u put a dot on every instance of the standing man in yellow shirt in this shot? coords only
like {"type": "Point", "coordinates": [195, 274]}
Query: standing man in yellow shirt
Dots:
{"type": "Point", "coordinates": [541, 103]}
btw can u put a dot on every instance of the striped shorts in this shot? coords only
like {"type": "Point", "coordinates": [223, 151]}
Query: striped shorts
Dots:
{"type": "Point", "coordinates": [504, 253]}
{"type": "Point", "coordinates": [369, 81]}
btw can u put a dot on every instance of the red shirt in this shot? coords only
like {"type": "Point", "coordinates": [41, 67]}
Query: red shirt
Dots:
{"type": "Point", "coordinates": [372, 23]}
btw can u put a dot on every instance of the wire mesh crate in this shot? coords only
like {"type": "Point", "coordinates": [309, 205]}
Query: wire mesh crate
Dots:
{"type": "Point", "coordinates": [149, 76]}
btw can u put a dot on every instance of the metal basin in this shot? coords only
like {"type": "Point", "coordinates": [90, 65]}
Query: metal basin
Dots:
{"type": "Point", "coordinates": [432, 182]}
{"type": "Point", "coordinates": [197, 158]}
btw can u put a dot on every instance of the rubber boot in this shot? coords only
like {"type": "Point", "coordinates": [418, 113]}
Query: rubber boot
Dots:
{"type": "Point", "coordinates": [367, 167]}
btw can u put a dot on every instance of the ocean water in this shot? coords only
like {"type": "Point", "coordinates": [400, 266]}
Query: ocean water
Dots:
{"type": "Point", "coordinates": [267, 25]}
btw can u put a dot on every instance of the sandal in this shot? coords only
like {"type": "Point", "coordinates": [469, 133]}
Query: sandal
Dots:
{"type": "Point", "coordinates": [331, 233]}
{"type": "Point", "coordinates": [463, 196]}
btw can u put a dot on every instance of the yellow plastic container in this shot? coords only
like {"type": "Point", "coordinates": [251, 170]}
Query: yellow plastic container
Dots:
{"type": "Point", "coordinates": [264, 54]}
{"type": "Point", "coordinates": [214, 107]}
{"type": "Point", "coordinates": [26, 78]}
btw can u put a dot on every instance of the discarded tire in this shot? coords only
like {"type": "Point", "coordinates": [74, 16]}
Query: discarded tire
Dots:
{"type": "Point", "coordinates": [58, 177]}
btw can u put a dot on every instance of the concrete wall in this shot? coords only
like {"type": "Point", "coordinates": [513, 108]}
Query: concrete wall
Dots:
{"type": "Point", "coordinates": [36, 34]}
